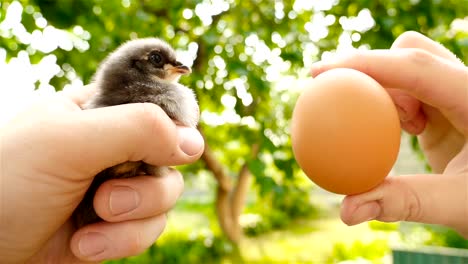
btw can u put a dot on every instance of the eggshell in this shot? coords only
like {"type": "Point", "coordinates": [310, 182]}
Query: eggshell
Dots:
{"type": "Point", "coordinates": [345, 131]}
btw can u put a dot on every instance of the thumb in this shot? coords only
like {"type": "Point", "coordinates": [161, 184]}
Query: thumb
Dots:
{"type": "Point", "coordinates": [432, 199]}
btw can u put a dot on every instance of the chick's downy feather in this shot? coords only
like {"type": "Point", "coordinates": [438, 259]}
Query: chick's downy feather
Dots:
{"type": "Point", "coordinates": [139, 71]}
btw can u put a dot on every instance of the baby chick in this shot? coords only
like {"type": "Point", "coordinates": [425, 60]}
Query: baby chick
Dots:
{"type": "Point", "coordinates": [139, 71]}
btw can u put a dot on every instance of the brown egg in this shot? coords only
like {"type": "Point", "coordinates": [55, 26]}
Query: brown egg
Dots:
{"type": "Point", "coordinates": [345, 132]}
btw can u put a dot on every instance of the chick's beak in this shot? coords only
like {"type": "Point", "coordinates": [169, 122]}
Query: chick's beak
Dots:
{"type": "Point", "coordinates": [181, 69]}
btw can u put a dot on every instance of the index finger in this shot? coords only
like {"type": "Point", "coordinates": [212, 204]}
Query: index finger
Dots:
{"type": "Point", "coordinates": [431, 79]}
{"type": "Point", "coordinates": [412, 39]}
{"type": "Point", "coordinates": [414, 118]}
{"type": "Point", "coordinates": [79, 95]}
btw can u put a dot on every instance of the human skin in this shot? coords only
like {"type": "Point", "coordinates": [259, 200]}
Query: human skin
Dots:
{"type": "Point", "coordinates": [429, 87]}
{"type": "Point", "coordinates": [49, 155]}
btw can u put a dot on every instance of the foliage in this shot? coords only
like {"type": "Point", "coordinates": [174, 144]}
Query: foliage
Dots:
{"type": "Point", "coordinates": [431, 235]}
{"type": "Point", "coordinates": [382, 226]}
{"type": "Point", "coordinates": [373, 252]}
{"type": "Point", "coordinates": [246, 57]}
{"type": "Point", "coordinates": [446, 237]}
{"type": "Point", "coordinates": [278, 209]}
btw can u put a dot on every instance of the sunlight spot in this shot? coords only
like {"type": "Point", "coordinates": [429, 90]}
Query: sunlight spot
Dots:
{"type": "Point", "coordinates": [318, 27]}
{"type": "Point", "coordinates": [330, 19]}
{"type": "Point", "coordinates": [215, 119]}
{"type": "Point", "coordinates": [243, 57]}
{"type": "Point", "coordinates": [13, 16]}
{"type": "Point", "coordinates": [29, 9]}
{"type": "Point", "coordinates": [218, 49]}
{"type": "Point", "coordinates": [97, 10]}
{"type": "Point", "coordinates": [228, 33]}
{"type": "Point", "coordinates": [278, 40]}
{"type": "Point", "coordinates": [209, 84]}
{"type": "Point", "coordinates": [228, 101]}
{"type": "Point", "coordinates": [279, 10]}
{"type": "Point", "coordinates": [316, 5]}
{"type": "Point", "coordinates": [311, 52]}
{"type": "Point", "coordinates": [250, 220]}
{"type": "Point", "coordinates": [126, 3]}
{"type": "Point", "coordinates": [187, 13]}
{"type": "Point", "coordinates": [219, 62]}
{"type": "Point", "coordinates": [78, 30]}
{"type": "Point", "coordinates": [41, 22]}
{"type": "Point", "coordinates": [22, 35]}
{"type": "Point", "coordinates": [207, 9]}
{"type": "Point", "coordinates": [362, 23]}
{"type": "Point", "coordinates": [250, 122]}
{"type": "Point", "coordinates": [460, 25]}
{"type": "Point", "coordinates": [133, 35]}
{"type": "Point", "coordinates": [356, 37]}
{"type": "Point", "coordinates": [292, 14]}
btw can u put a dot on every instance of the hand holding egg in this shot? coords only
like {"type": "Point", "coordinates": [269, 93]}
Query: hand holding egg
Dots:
{"type": "Point", "coordinates": [345, 132]}
{"type": "Point", "coordinates": [431, 93]}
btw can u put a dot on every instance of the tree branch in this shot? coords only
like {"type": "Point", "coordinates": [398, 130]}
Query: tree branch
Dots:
{"type": "Point", "coordinates": [239, 194]}
{"type": "Point", "coordinates": [215, 167]}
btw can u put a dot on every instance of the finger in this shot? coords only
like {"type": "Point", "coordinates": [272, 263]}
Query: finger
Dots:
{"type": "Point", "coordinates": [432, 199]}
{"type": "Point", "coordinates": [412, 117]}
{"type": "Point", "coordinates": [79, 95]}
{"type": "Point", "coordinates": [133, 132]}
{"type": "Point", "coordinates": [408, 107]}
{"type": "Point", "coordinates": [413, 39]}
{"type": "Point", "coordinates": [138, 197]}
{"type": "Point", "coordinates": [103, 241]}
{"type": "Point", "coordinates": [418, 73]}
{"type": "Point", "coordinates": [416, 125]}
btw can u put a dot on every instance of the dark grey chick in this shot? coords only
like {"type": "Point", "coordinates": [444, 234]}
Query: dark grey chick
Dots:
{"type": "Point", "coordinates": [139, 71]}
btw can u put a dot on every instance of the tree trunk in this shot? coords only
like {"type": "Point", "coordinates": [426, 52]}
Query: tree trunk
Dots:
{"type": "Point", "coordinates": [230, 199]}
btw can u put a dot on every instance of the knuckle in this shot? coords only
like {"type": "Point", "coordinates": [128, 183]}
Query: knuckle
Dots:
{"type": "Point", "coordinates": [165, 198]}
{"type": "Point", "coordinates": [418, 57]}
{"type": "Point", "coordinates": [169, 192]}
{"type": "Point", "coordinates": [156, 124]}
{"type": "Point", "coordinates": [150, 115]}
{"type": "Point", "coordinates": [180, 181]}
{"type": "Point", "coordinates": [420, 60]}
{"type": "Point", "coordinates": [407, 39]}
{"type": "Point", "coordinates": [135, 245]}
{"type": "Point", "coordinates": [355, 55]}
{"type": "Point", "coordinates": [410, 209]}
{"type": "Point", "coordinates": [175, 188]}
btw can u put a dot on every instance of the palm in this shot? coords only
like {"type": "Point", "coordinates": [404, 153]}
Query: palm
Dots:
{"type": "Point", "coordinates": [57, 248]}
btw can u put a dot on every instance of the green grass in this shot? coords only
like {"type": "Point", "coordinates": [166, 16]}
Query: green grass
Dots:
{"type": "Point", "coordinates": [307, 241]}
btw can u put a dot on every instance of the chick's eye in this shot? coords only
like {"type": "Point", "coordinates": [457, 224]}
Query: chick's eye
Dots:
{"type": "Point", "coordinates": [156, 59]}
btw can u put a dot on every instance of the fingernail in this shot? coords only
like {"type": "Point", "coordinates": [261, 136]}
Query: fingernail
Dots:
{"type": "Point", "coordinates": [365, 212]}
{"type": "Point", "coordinates": [191, 142]}
{"type": "Point", "coordinates": [123, 199]}
{"type": "Point", "coordinates": [93, 244]}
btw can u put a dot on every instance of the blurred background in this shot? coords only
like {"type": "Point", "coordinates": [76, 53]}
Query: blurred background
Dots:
{"type": "Point", "coordinates": [246, 200]}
